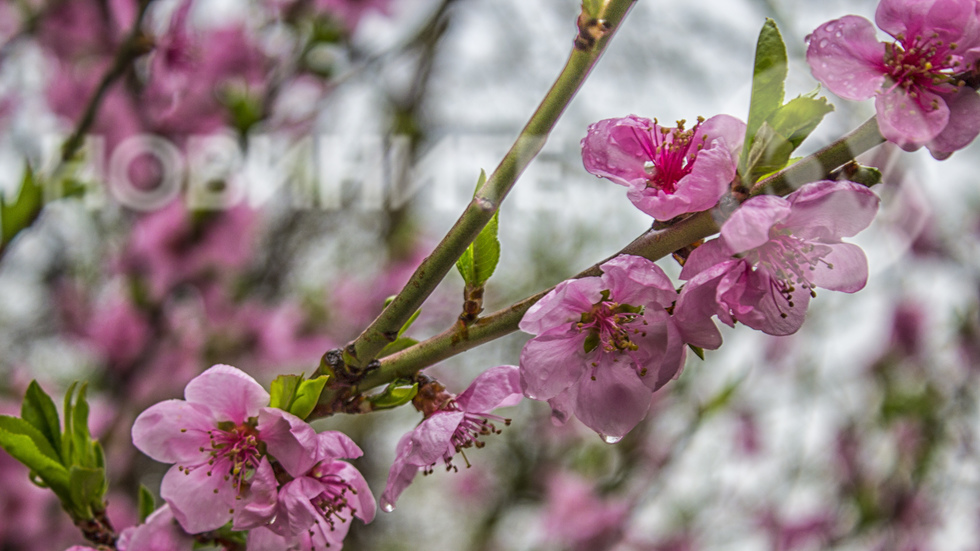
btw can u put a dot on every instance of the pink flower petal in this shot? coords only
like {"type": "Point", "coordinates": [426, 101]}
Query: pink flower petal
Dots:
{"type": "Point", "coordinates": [552, 362]}
{"type": "Point", "coordinates": [336, 445]}
{"type": "Point", "coordinates": [828, 211]}
{"type": "Point", "coordinates": [910, 123]}
{"type": "Point", "coordinates": [563, 304]}
{"type": "Point", "coordinates": [230, 393]}
{"type": "Point", "coordinates": [362, 501]}
{"type": "Point", "coordinates": [261, 502]}
{"type": "Point", "coordinates": [963, 126]}
{"type": "Point", "coordinates": [289, 439]}
{"type": "Point", "coordinates": [845, 56]}
{"type": "Point", "coordinates": [174, 431]}
{"type": "Point", "coordinates": [200, 502]}
{"type": "Point", "coordinates": [636, 280]}
{"type": "Point", "coordinates": [726, 129]}
{"type": "Point", "coordinates": [748, 227]}
{"type": "Point", "coordinates": [401, 475]}
{"type": "Point", "coordinates": [850, 269]}
{"type": "Point", "coordinates": [614, 402]}
{"type": "Point", "coordinates": [432, 439]}
{"type": "Point", "coordinates": [494, 388]}
{"type": "Point", "coordinates": [769, 308]}
{"type": "Point", "coordinates": [617, 149]}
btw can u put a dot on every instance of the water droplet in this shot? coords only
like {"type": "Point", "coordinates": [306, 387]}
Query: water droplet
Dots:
{"type": "Point", "coordinates": [610, 439]}
{"type": "Point", "coordinates": [824, 42]}
{"type": "Point", "coordinates": [387, 506]}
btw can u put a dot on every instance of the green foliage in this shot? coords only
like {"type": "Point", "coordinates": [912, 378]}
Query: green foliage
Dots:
{"type": "Point", "coordinates": [394, 395]}
{"type": "Point", "coordinates": [60, 456]}
{"type": "Point", "coordinates": [297, 396]}
{"type": "Point", "coordinates": [19, 214]}
{"type": "Point", "coordinates": [480, 259]}
{"type": "Point", "coordinates": [698, 351]}
{"type": "Point", "coordinates": [400, 343]}
{"type": "Point", "coordinates": [147, 503]}
{"type": "Point", "coordinates": [720, 401]}
{"type": "Point", "coordinates": [775, 130]}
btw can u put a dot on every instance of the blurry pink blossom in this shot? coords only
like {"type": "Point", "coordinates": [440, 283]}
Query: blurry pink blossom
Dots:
{"type": "Point", "coordinates": [669, 172]}
{"type": "Point", "coordinates": [579, 519]}
{"type": "Point", "coordinates": [603, 345]}
{"type": "Point", "coordinates": [158, 533]}
{"type": "Point", "coordinates": [171, 246]}
{"type": "Point", "coordinates": [919, 97]}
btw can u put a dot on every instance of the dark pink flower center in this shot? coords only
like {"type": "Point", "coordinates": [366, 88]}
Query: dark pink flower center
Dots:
{"type": "Point", "coordinates": [671, 153]}
{"type": "Point", "coordinates": [921, 64]}
{"type": "Point", "coordinates": [233, 451]}
{"type": "Point", "coordinates": [610, 325]}
{"type": "Point", "coordinates": [790, 261]}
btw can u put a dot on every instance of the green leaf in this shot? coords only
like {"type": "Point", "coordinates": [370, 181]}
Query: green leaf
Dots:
{"type": "Point", "coordinates": [147, 503]}
{"type": "Point", "coordinates": [68, 450]}
{"type": "Point", "coordinates": [768, 78]}
{"type": "Point", "coordinates": [87, 488]}
{"type": "Point", "coordinates": [26, 444]}
{"type": "Point", "coordinates": [307, 395]}
{"type": "Point", "coordinates": [479, 261]}
{"type": "Point", "coordinates": [864, 175]}
{"type": "Point", "coordinates": [19, 214]}
{"type": "Point", "coordinates": [39, 410]}
{"type": "Point", "coordinates": [486, 252]}
{"type": "Point", "coordinates": [799, 117]}
{"type": "Point", "coordinates": [398, 345]}
{"type": "Point", "coordinates": [592, 342]}
{"type": "Point", "coordinates": [698, 351]}
{"type": "Point", "coordinates": [769, 153]}
{"type": "Point", "coordinates": [409, 323]}
{"type": "Point", "coordinates": [283, 391]}
{"type": "Point", "coordinates": [394, 395]}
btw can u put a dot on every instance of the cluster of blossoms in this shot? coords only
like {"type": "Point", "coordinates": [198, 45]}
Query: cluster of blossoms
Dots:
{"type": "Point", "coordinates": [220, 440]}
{"type": "Point", "coordinates": [604, 344]}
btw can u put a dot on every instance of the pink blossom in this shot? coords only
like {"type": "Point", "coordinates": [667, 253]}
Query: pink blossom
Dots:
{"type": "Point", "coordinates": [603, 345]}
{"type": "Point", "coordinates": [669, 172]}
{"type": "Point", "coordinates": [772, 254]}
{"type": "Point", "coordinates": [454, 424]}
{"type": "Point", "coordinates": [313, 511]}
{"type": "Point", "coordinates": [170, 246]}
{"type": "Point", "coordinates": [214, 438]}
{"type": "Point", "coordinates": [914, 80]}
{"type": "Point", "coordinates": [158, 533]}
{"type": "Point", "coordinates": [579, 519]}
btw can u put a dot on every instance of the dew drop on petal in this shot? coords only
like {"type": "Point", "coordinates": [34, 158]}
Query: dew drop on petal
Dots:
{"type": "Point", "coordinates": [387, 506]}
{"type": "Point", "coordinates": [610, 439]}
{"type": "Point", "coordinates": [824, 42]}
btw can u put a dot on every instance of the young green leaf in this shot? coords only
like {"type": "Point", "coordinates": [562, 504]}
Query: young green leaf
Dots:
{"type": "Point", "coordinates": [768, 78]}
{"type": "Point", "coordinates": [799, 117]}
{"type": "Point", "coordinates": [39, 410]}
{"type": "Point", "coordinates": [479, 261]}
{"type": "Point", "coordinates": [87, 488]}
{"type": "Point", "coordinates": [26, 444]}
{"type": "Point", "coordinates": [698, 351]}
{"type": "Point", "coordinates": [283, 391]}
{"type": "Point", "coordinates": [81, 437]}
{"type": "Point", "coordinates": [769, 152]}
{"type": "Point", "coordinates": [307, 394]}
{"type": "Point", "coordinates": [19, 214]}
{"type": "Point", "coordinates": [394, 395]}
{"type": "Point", "coordinates": [147, 503]}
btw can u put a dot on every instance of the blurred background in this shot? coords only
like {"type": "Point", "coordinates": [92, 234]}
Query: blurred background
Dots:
{"type": "Point", "coordinates": [333, 143]}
